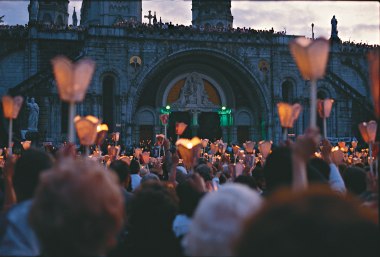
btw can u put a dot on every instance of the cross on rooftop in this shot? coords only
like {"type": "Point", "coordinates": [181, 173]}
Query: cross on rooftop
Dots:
{"type": "Point", "coordinates": [149, 17]}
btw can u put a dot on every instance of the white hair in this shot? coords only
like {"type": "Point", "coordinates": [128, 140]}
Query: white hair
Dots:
{"type": "Point", "coordinates": [219, 219]}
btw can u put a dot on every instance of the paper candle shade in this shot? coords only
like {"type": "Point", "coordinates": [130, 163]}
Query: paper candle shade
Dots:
{"type": "Point", "coordinates": [180, 128]}
{"type": "Point", "coordinates": [86, 129]}
{"type": "Point", "coordinates": [222, 147]}
{"type": "Point", "coordinates": [138, 151]}
{"type": "Point", "coordinates": [311, 56]}
{"type": "Point", "coordinates": [189, 150]}
{"type": "Point", "coordinates": [341, 144]}
{"type": "Point", "coordinates": [214, 148]}
{"type": "Point", "coordinates": [204, 143]}
{"type": "Point", "coordinates": [288, 114]}
{"type": "Point", "coordinates": [72, 79]}
{"type": "Point", "coordinates": [265, 147]}
{"type": "Point", "coordinates": [374, 72]}
{"type": "Point", "coordinates": [113, 150]}
{"type": "Point", "coordinates": [164, 118]}
{"type": "Point", "coordinates": [235, 149]}
{"type": "Point", "coordinates": [145, 157]}
{"type": "Point", "coordinates": [241, 154]}
{"type": "Point", "coordinates": [324, 107]}
{"type": "Point", "coordinates": [102, 130]}
{"type": "Point", "coordinates": [116, 136]}
{"type": "Point", "coordinates": [160, 139]}
{"type": "Point", "coordinates": [368, 131]}
{"type": "Point", "coordinates": [125, 159]}
{"type": "Point", "coordinates": [249, 145]}
{"type": "Point", "coordinates": [11, 106]}
{"type": "Point", "coordinates": [337, 156]}
{"type": "Point", "coordinates": [26, 144]}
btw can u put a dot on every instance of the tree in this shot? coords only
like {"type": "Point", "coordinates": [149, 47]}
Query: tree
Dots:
{"type": "Point", "coordinates": [1, 19]}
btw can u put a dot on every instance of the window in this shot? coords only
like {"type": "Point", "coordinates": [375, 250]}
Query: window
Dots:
{"type": "Point", "coordinates": [108, 101]}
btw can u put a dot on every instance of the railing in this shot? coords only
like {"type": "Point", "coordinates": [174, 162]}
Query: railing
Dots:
{"type": "Point", "coordinates": [349, 90]}
{"type": "Point", "coordinates": [37, 79]}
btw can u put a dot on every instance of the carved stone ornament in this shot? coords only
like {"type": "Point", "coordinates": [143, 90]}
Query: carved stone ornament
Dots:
{"type": "Point", "coordinates": [193, 95]}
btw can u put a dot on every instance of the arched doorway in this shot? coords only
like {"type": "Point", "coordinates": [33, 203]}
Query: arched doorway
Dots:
{"type": "Point", "coordinates": [195, 99]}
{"type": "Point", "coordinates": [236, 86]}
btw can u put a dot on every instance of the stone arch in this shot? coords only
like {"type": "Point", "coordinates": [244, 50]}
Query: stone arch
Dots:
{"type": "Point", "coordinates": [287, 91]}
{"type": "Point", "coordinates": [244, 122]}
{"type": "Point", "coordinates": [263, 96]}
{"type": "Point", "coordinates": [145, 121]}
{"type": "Point", "coordinates": [59, 20]}
{"type": "Point", "coordinates": [215, 84]}
{"type": "Point", "coordinates": [243, 117]}
{"type": "Point", "coordinates": [146, 115]}
{"type": "Point", "coordinates": [327, 89]}
{"type": "Point", "coordinates": [47, 19]}
{"type": "Point", "coordinates": [108, 71]}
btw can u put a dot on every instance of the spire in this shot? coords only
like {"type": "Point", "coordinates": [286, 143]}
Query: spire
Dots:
{"type": "Point", "coordinates": [215, 13]}
{"type": "Point", "coordinates": [33, 8]}
{"type": "Point", "coordinates": [75, 18]}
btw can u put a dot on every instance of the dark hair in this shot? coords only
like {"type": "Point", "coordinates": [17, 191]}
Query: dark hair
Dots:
{"type": "Point", "coordinates": [150, 219]}
{"type": "Point", "coordinates": [322, 166]}
{"type": "Point", "coordinates": [121, 169]}
{"type": "Point", "coordinates": [314, 176]}
{"type": "Point", "coordinates": [316, 222]}
{"type": "Point", "coordinates": [27, 172]}
{"type": "Point", "coordinates": [355, 180]}
{"type": "Point", "coordinates": [204, 171]}
{"type": "Point", "coordinates": [247, 180]}
{"type": "Point", "coordinates": [278, 169]}
{"type": "Point", "coordinates": [188, 198]}
{"type": "Point", "coordinates": [222, 179]}
{"type": "Point", "coordinates": [134, 167]}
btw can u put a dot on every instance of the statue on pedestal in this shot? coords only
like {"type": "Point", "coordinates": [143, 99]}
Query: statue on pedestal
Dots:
{"type": "Point", "coordinates": [334, 29]}
{"type": "Point", "coordinates": [34, 111]}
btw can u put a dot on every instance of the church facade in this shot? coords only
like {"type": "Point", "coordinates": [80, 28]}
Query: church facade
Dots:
{"type": "Point", "coordinates": [195, 73]}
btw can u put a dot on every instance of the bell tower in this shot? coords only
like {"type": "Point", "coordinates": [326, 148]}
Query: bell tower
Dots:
{"type": "Point", "coordinates": [49, 12]}
{"type": "Point", "coordinates": [107, 13]}
{"type": "Point", "coordinates": [212, 13]}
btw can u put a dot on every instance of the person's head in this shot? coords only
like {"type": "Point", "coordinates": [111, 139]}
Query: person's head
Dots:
{"type": "Point", "coordinates": [152, 209]}
{"type": "Point", "coordinates": [321, 166]}
{"type": "Point", "coordinates": [150, 177]}
{"type": "Point", "coordinates": [247, 180]}
{"type": "Point", "coordinates": [258, 175]}
{"type": "Point", "coordinates": [78, 209]}
{"type": "Point", "coordinates": [188, 196]}
{"type": "Point", "coordinates": [316, 222]}
{"type": "Point", "coordinates": [121, 169]}
{"type": "Point", "coordinates": [278, 169]}
{"type": "Point", "coordinates": [134, 167]}
{"type": "Point", "coordinates": [143, 172]}
{"type": "Point", "coordinates": [27, 171]}
{"type": "Point", "coordinates": [218, 220]}
{"type": "Point", "coordinates": [355, 180]}
{"type": "Point", "coordinates": [205, 172]}
{"type": "Point", "coordinates": [314, 176]}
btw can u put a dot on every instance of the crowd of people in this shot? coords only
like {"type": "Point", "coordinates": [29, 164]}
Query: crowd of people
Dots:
{"type": "Point", "coordinates": [225, 201]}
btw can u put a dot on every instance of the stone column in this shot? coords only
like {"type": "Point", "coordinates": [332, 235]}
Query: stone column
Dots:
{"type": "Point", "coordinates": [234, 134]}
{"type": "Point", "coordinates": [251, 133]}
{"type": "Point", "coordinates": [194, 122]}
{"type": "Point", "coordinates": [136, 134]}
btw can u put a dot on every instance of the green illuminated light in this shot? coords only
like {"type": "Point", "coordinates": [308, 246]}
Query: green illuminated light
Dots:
{"type": "Point", "coordinates": [167, 107]}
{"type": "Point", "coordinates": [224, 108]}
